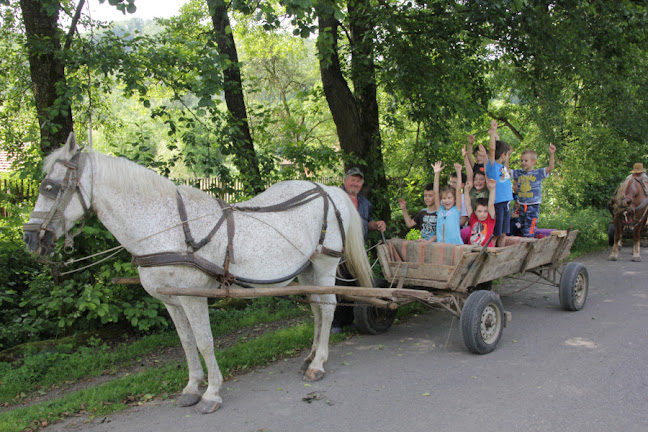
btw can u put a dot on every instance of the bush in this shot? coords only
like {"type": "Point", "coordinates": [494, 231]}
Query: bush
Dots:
{"type": "Point", "coordinates": [591, 223]}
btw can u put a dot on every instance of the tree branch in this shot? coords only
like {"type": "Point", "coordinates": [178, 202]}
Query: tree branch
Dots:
{"type": "Point", "coordinates": [508, 125]}
{"type": "Point", "coordinates": [75, 20]}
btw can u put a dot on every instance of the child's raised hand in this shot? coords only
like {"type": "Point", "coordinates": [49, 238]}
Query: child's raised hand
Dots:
{"type": "Point", "coordinates": [552, 148]}
{"type": "Point", "coordinates": [482, 150]}
{"type": "Point", "coordinates": [463, 151]}
{"type": "Point", "coordinates": [402, 203]}
{"type": "Point", "coordinates": [467, 187]}
{"type": "Point", "coordinates": [458, 167]}
{"type": "Point", "coordinates": [491, 183]}
{"type": "Point", "coordinates": [494, 124]}
{"type": "Point", "coordinates": [471, 139]}
{"type": "Point", "coordinates": [437, 167]}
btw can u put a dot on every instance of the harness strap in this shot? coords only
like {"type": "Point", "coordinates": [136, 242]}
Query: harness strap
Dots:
{"type": "Point", "coordinates": [189, 259]}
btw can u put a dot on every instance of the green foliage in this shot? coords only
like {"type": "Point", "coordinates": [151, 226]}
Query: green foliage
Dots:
{"type": "Point", "coordinates": [591, 223]}
{"type": "Point", "coordinates": [413, 234]}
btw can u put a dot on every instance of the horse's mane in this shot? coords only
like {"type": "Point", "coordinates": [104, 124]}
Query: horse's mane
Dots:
{"type": "Point", "coordinates": [129, 176]}
{"type": "Point", "coordinates": [48, 162]}
{"type": "Point", "coordinates": [620, 191]}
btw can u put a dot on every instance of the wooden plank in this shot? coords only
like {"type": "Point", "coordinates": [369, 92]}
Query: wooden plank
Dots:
{"type": "Point", "coordinates": [383, 253]}
{"type": "Point", "coordinates": [424, 271]}
{"type": "Point", "coordinates": [293, 290]}
{"type": "Point", "coordinates": [126, 280]}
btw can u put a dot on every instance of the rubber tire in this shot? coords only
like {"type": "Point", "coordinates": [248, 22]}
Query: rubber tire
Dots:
{"type": "Point", "coordinates": [373, 320]}
{"type": "Point", "coordinates": [611, 230]}
{"type": "Point", "coordinates": [574, 287]}
{"type": "Point", "coordinates": [480, 303]}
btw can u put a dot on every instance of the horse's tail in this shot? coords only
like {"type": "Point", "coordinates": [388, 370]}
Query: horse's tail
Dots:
{"type": "Point", "coordinates": [355, 255]}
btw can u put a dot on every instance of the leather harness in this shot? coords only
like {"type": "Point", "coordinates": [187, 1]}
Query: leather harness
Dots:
{"type": "Point", "coordinates": [222, 274]}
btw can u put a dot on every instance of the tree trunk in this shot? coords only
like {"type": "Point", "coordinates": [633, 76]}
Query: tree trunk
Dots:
{"type": "Point", "coordinates": [242, 146]}
{"type": "Point", "coordinates": [47, 73]}
{"type": "Point", "coordinates": [355, 116]}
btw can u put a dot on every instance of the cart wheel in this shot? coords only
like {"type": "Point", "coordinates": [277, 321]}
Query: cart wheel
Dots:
{"type": "Point", "coordinates": [482, 319]}
{"type": "Point", "coordinates": [611, 231]}
{"type": "Point", "coordinates": [574, 285]}
{"type": "Point", "coordinates": [373, 320]}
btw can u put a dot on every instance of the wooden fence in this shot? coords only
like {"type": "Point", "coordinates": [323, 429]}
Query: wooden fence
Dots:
{"type": "Point", "coordinates": [17, 191]}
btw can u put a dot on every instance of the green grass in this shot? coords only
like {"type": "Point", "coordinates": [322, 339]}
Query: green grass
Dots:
{"type": "Point", "coordinates": [117, 394]}
{"type": "Point", "coordinates": [42, 370]}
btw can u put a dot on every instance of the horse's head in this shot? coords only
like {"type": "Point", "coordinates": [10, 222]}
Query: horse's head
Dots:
{"type": "Point", "coordinates": [61, 202]}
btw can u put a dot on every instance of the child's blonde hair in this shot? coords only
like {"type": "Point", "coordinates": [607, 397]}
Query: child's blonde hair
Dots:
{"type": "Point", "coordinates": [449, 190]}
{"type": "Point", "coordinates": [533, 154]}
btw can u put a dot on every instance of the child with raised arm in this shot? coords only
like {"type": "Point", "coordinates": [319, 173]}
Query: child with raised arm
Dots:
{"type": "Point", "coordinates": [448, 203]}
{"type": "Point", "coordinates": [426, 220]}
{"type": "Point", "coordinates": [529, 194]}
{"type": "Point", "coordinates": [496, 168]}
{"type": "Point", "coordinates": [477, 178]}
{"type": "Point", "coordinates": [482, 219]}
{"type": "Point", "coordinates": [477, 161]}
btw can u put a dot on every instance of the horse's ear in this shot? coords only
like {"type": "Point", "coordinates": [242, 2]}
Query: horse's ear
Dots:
{"type": "Point", "coordinates": [71, 144]}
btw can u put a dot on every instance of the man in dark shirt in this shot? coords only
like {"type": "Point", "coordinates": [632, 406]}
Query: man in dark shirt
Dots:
{"type": "Point", "coordinates": [353, 181]}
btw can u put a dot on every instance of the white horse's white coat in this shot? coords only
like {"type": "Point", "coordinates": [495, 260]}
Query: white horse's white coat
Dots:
{"type": "Point", "coordinates": [139, 208]}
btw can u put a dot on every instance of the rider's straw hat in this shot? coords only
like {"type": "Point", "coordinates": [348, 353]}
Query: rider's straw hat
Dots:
{"type": "Point", "coordinates": [638, 168]}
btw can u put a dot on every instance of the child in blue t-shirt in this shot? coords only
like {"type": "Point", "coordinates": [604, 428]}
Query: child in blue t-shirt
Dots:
{"type": "Point", "coordinates": [496, 168]}
{"type": "Point", "coordinates": [448, 205]}
{"type": "Point", "coordinates": [529, 192]}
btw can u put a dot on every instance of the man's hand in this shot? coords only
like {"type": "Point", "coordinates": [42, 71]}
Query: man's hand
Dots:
{"type": "Point", "coordinates": [377, 225]}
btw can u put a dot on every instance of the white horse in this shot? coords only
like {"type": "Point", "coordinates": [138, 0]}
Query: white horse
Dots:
{"type": "Point", "coordinates": [263, 248]}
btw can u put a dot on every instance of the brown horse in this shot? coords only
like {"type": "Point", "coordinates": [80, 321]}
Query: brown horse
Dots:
{"type": "Point", "coordinates": [629, 206]}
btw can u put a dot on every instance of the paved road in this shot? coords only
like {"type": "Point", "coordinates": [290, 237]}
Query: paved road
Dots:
{"type": "Point", "coordinates": [552, 371]}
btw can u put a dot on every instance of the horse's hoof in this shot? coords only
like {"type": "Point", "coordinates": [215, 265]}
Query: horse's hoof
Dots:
{"type": "Point", "coordinates": [313, 375]}
{"type": "Point", "coordinates": [612, 258]}
{"type": "Point", "coordinates": [636, 259]}
{"type": "Point", "coordinates": [207, 407]}
{"type": "Point", "coordinates": [304, 367]}
{"type": "Point", "coordinates": [188, 399]}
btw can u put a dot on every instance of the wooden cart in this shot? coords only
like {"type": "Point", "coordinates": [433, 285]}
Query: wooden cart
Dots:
{"type": "Point", "coordinates": [454, 278]}
{"type": "Point", "coordinates": [459, 278]}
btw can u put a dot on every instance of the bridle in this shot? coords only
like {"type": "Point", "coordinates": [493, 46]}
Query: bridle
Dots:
{"type": "Point", "coordinates": [61, 193]}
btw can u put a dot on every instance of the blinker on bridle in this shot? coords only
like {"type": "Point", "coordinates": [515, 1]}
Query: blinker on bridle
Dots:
{"type": "Point", "coordinates": [61, 193]}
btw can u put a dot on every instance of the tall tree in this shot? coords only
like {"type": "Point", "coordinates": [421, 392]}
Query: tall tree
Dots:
{"type": "Point", "coordinates": [355, 112]}
{"type": "Point", "coordinates": [47, 71]}
{"type": "Point", "coordinates": [242, 145]}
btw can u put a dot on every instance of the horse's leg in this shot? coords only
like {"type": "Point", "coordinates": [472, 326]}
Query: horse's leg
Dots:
{"type": "Point", "coordinates": [198, 315]}
{"type": "Point", "coordinates": [306, 278]}
{"type": "Point", "coordinates": [324, 275]}
{"type": "Point", "coordinates": [191, 393]}
{"type": "Point", "coordinates": [326, 305]}
{"type": "Point", "coordinates": [636, 237]}
{"type": "Point", "coordinates": [618, 233]}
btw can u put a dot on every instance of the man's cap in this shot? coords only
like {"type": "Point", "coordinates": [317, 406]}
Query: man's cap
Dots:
{"type": "Point", "coordinates": [638, 168]}
{"type": "Point", "coordinates": [355, 171]}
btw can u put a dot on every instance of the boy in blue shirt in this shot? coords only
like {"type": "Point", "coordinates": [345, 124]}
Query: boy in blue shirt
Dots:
{"type": "Point", "coordinates": [496, 168]}
{"type": "Point", "coordinates": [529, 193]}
